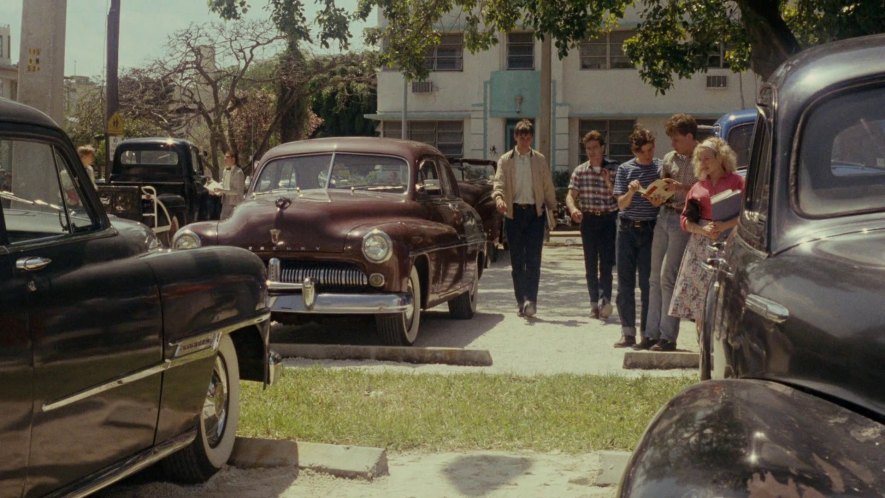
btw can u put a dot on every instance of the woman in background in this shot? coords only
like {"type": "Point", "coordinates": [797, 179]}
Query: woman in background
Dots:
{"type": "Point", "coordinates": [714, 166]}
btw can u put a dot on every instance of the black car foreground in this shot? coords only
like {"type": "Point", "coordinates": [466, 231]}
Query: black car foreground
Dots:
{"type": "Point", "coordinates": [796, 335]}
{"type": "Point", "coordinates": [114, 354]}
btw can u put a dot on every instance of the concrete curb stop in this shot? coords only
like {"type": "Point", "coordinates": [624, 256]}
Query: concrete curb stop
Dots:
{"type": "Point", "coordinates": [661, 359]}
{"type": "Point", "coordinates": [611, 467]}
{"type": "Point", "coordinates": [449, 356]}
{"type": "Point", "coordinates": [354, 462]}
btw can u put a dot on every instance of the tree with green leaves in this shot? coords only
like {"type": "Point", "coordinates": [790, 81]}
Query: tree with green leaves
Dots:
{"type": "Point", "coordinates": [289, 18]}
{"type": "Point", "coordinates": [674, 37]}
{"type": "Point", "coordinates": [207, 65]}
{"type": "Point", "coordinates": [343, 89]}
{"type": "Point", "coordinates": [145, 104]}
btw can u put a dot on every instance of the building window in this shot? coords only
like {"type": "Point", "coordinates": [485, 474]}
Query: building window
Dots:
{"type": "Point", "coordinates": [607, 51]}
{"type": "Point", "coordinates": [716, 58]}
{"type": "Point", "coordinates": [448, 55]}
{"type": "Point", "coordinates": [617, 137]}
{"type": "Point", "coordinates": [520, 51]}
{"type": "Point", "coordinates": [447, 136]}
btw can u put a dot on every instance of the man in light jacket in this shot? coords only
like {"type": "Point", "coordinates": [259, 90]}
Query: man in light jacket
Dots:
{"type": "Point", "coordinates": [523, 193]}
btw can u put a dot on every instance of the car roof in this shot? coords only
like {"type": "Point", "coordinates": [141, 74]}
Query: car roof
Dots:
{"type": "Point", "coordinates": [822, 66]}
{"type": "Point", "coordinates": [737, 117]}
{"type": "Point", "coordinates": [21, 113]}
{"type": "Point", "coordinates": [363, 145]}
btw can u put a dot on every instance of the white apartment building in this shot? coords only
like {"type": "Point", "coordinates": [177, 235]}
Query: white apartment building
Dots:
{"type": "Point", "coordinates": [470, 102]}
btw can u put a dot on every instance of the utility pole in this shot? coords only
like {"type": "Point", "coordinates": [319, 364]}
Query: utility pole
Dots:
{"type": "Point", "coordinates": [112, 95]}
{"type": "Point", "coordinates": [404, 130]}
{"type": "Point", "coordinates": [544, 146]}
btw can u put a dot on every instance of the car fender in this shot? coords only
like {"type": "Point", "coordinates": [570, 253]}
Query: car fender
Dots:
{"type": "Point", "coordinates": [753, 437]}
{"type": "Point", "coordinates": [174, 203]}
{"type": "Point", "coordinates": [206, 293]}
{"type": "Point", "coordinates": [207, 290]}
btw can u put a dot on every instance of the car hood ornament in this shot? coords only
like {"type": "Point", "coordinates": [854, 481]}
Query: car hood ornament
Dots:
{"type": "Point", "coordinates": [283, 203]}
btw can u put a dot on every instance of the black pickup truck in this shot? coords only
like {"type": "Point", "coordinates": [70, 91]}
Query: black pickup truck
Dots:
{"type": "Point", "coordinates": [157, 181]}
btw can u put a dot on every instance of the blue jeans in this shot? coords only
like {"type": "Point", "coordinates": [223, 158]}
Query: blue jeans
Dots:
{"type": "Point", "coordinates": [666, 256]}
{"type": "Point", "coordinates": [598, 238]}
{"type": "Point", "coordinates": [634, 255]}
{"type": "Point", "coordinates": [525, 239]}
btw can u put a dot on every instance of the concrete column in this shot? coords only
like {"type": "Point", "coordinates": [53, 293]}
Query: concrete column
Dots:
{"type": "Point", "coordinates": [41, 64]}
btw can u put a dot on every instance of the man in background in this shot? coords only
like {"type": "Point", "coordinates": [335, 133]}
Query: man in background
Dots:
{"type": "Point", "coordinates": [87, 157]}
{"type": "Point", "coordinates": [635, 231]}
{"type": "Point", "coordinates": [592, 205]}
{"type": "Point", "coordinates": [523, 193]}
{"type": "Point", "coordinates": [669, 241]}
{"type": "Point", "coordinates": [233, 185]}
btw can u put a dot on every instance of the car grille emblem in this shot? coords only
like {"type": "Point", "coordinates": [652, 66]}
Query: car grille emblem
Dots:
{"type": "Point", "coordinates": [275, 236]}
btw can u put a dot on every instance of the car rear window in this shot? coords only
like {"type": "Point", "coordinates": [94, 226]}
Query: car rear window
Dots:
{"type": "Point", "coordinates": [841, 167]}
{"type": "Point", "coordinates": [149, 162]}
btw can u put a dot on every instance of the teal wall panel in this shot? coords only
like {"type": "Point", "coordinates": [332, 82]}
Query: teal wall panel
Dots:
{"type": "Point", "coordinates": [506, 85]}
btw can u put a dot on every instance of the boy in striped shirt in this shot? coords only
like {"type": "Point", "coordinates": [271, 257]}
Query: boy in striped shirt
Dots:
{"type": "Point", "coordinates": [635, 231]}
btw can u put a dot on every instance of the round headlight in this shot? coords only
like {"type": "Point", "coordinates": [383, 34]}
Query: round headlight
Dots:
{"type": "Point", "coordinates": [186, 239]}
{"type": "Point", "coordinates": [377, 246]}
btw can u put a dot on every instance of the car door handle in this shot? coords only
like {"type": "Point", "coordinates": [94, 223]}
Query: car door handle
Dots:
{"type": "Point", "coordinates": [768, 309]}
{"type": "Point", "coordinates": [713, 264]}
{"type": "Point", "coordinates": [33, 263]}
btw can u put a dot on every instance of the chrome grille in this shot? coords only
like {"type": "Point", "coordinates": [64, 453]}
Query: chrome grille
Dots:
{"type": "Point", "coordinates": [324, 274]}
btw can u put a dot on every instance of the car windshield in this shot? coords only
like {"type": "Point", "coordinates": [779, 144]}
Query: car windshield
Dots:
{"type": "Point", "coordinates": [335, 171]}
{"type": "Point", "coordinates": [841, 165]}
{"type": "Point", "coordinates": [152, 161]}
{"type": "Point", "coordinates": [740, 139]}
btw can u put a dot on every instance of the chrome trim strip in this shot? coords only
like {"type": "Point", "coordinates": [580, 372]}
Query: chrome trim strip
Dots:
{"type": "Point", "coordinates": [206, 350]}
{"type": "Point", "coordinates": [341, 304]}
{"type": "Point", "coordinates": [768, 309]}
{"type": "Point", "coordinates": [128, 379]}
{"type": "Point", "coordinates": [131, 466]}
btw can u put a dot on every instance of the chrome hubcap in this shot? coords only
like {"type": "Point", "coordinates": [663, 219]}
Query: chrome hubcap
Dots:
{"type": "Point", "coordinates": [214, 416]}
{"type": "Point", "coordinates": [410, 311]}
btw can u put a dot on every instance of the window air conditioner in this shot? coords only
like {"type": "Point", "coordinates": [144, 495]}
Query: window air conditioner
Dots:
{"type": "Point", "coordinates": [422, 86]}
{"type": "Point", "coordinates": [717, 81]}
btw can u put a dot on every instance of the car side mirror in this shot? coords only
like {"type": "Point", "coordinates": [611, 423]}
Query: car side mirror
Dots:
{"type": "Point", "coordinates": [425, 189]}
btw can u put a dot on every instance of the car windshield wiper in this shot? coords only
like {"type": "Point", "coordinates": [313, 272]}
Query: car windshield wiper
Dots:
{"type": "Point", "coordinates": [5, 194]}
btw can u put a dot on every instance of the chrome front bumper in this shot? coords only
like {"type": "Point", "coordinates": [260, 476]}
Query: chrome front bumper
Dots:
{"type": "Point", "coordinates": [303, 298]}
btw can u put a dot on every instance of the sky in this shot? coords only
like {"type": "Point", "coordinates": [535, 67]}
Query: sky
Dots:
{"type": "Point", "coordinates": [145, 26]}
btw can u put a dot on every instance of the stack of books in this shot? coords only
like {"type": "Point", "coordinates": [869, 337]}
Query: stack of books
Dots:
{"type": "Point", "coordinates": [726, 204]}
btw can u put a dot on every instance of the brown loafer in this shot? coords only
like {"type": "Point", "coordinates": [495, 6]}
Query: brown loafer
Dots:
{"type": "Point", "coordinates": [664, 345]}
{"type": "Point", "coordinates": [626, 341]}
{"type": "Point", "coordinates": [645, 343]}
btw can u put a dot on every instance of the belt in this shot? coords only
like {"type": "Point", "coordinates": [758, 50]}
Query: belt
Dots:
{"type": "Point", "coordinates": [597, 212]}
{"type": "Point", "coordinates": [523, 206]}
{"type": "Point", "coordinates": [627, 222]}
{"type": "Point", "coordinates": [673, 207]}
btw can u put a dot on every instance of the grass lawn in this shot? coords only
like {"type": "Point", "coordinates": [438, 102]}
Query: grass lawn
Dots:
{"type": "Point", "coordinates": [405, 411]}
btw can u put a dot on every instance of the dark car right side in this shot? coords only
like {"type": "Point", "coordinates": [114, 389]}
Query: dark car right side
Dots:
{"type": "Point", "coordinates": [796, 345]}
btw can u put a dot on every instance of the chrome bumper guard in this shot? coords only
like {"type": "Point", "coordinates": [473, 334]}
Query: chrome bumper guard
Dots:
{"type": "Point", "coordinates": [285, 297]}
{"type": "Point", "coordinates": [274, 367]}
